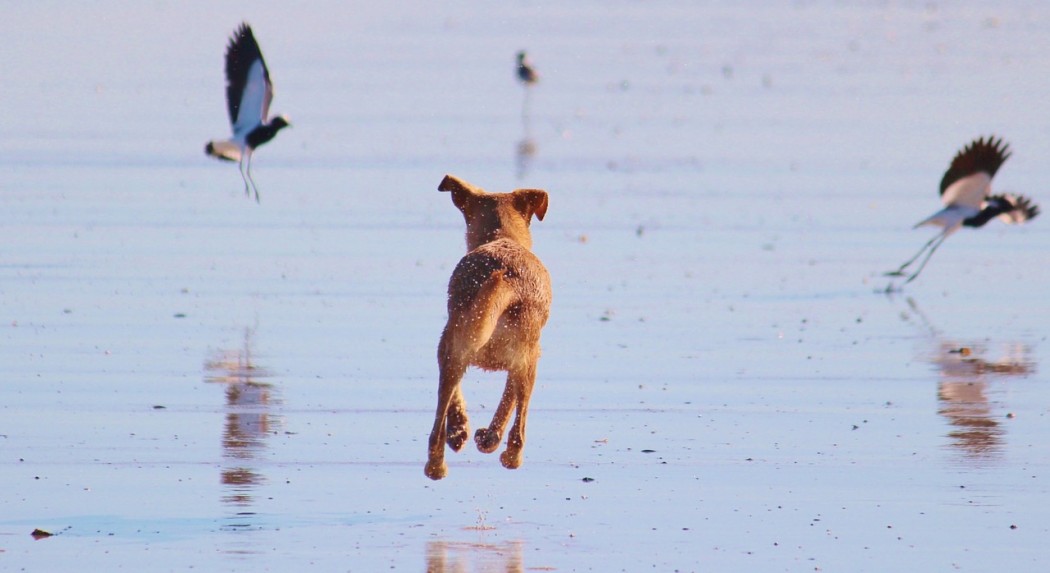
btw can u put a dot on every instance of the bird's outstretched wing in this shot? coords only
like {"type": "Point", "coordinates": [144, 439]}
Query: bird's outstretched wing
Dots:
{"type": "Point", "coordinates": [967, 180]}
{"type": "Point", "coordinates": [248, 87]}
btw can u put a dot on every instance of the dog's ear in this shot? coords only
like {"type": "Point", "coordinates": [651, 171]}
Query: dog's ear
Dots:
{"type": "Point", "coordinates": [531, 202]}
{"type": "Point", "coordinates": [461, 190]}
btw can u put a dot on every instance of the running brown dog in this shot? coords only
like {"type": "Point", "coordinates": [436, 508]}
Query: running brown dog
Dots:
{"type": "Point", "coordinates": [499, 298]}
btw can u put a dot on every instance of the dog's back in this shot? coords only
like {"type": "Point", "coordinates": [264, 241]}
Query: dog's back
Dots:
{"type": "Point", "coordinates": [499, 298]}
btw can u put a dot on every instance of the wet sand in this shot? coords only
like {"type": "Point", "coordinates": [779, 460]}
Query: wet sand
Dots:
{"type": "Point", "coordinates": [191, 380]}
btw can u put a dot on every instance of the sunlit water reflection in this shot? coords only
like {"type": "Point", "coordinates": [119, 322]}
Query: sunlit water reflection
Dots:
{"type": "Point", "coordinates": [716, 172]}
{"type": "Point", "coordinates": [249, 423]}
{"type": "Point", "coordinates": [481, 557]}
{"type": "Point", "coordinates": [970, 373]}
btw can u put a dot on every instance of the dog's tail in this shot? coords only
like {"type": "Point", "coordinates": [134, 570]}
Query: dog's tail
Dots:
{"type": "Point", "coordinates": [478, 321]}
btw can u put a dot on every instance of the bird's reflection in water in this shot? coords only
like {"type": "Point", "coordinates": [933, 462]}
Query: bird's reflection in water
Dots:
{"type": "Point", "coordinates": [461, 557]}
{"type": "Point", "coordinates": [249, 421]}
{"type": "Point", "coordinates": [523, 155]}
{"type": "Point", "coordinates": [967, 372]}
{"type": "Point", "coordinates": [525, 150]}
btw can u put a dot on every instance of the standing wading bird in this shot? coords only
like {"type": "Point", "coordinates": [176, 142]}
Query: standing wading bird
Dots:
{"type": "Point", "coordinates": [526, 148]}
{"type": "Point", "coordinates": [526, 73]}
{"type": "Point", "coordinates": [966, 192]}
{"type": "Point", "coordinates": [248, 96]}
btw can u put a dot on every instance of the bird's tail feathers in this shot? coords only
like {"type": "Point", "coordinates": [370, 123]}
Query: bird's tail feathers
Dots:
{"type": "Point", "coordinates": [224, 150]}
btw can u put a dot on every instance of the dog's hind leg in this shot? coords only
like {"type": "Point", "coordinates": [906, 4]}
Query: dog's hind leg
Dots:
{"type": "Point", "coordinates": [488, 439]}
{"type": "Point", "coordinates": [458, 426]}
{"type": "Point", "coordinates": [522, 380]}
{"type": "Point", "coordinates": [492, 300]}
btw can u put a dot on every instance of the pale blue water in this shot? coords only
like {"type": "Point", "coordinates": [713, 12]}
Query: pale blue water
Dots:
{"type": "Point", "coordinates": [188, 379]}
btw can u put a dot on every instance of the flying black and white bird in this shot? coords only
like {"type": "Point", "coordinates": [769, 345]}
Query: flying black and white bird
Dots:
{"type": "Point", "coordinates": [248, 96]}
{"type": "Point", "coordinates": [966, 193]}
{"type": "Point", "coordinates": [526, 73]}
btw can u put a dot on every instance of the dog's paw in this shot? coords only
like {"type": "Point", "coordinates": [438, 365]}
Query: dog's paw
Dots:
{"type": "Point", "coordinates": [457, 436]}
{"type": "Point", "coordinates": [436, 470]}
{"type": "Point", "coordinates": [511, 461]}
{"type": "Point", "coordinates": [487, 440]}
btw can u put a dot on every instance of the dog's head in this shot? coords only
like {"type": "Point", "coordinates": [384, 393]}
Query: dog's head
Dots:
{"type": "Point", "coordinates": [492, 216]}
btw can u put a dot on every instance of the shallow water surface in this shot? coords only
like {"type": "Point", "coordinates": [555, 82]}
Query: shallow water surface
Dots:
{"type": "Point", "coordinates": [194, 380]}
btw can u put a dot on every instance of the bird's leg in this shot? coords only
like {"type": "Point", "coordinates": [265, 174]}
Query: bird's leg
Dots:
{"type": "Point", "coordinates": [525, 108]}
{"type": "Point", "coordinates": [900, 271]}
{"type": "Point", "coordinates": [254, 186]}
{"type": "Point", "coordinates": [240, 168]}
{"type": "Point", "coordinates": [915, 275]}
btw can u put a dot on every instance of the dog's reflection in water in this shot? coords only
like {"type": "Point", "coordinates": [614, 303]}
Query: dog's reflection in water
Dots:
{"type": "Point", "coordinates": [465, 557]}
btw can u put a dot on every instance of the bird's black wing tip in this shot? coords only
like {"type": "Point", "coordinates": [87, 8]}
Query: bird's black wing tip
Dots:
{"type": "Point", "coordinates": [242, 38]}
{"type": "Point", "coordinates": [1030, 210]}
